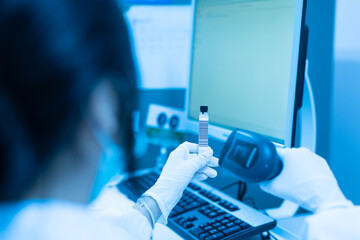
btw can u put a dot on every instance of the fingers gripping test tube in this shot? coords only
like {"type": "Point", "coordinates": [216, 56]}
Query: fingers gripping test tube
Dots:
{"type": "Point", "coordinates": [203, 127]}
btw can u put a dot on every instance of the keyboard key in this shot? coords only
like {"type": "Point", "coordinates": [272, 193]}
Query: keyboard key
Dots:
{"type": "Point", "coordinates": [179, 209]}
{"type": "Point", "coordinates": [215, 236]}
{"type": "Point", "coordinates": [187, 225]}
{"type": "Point", "coordinates": [238, 222]}
{"type": "Point", "coordinates": [212, 221]}
{"type": "Point", "coordinates": [210, 195]}
{"type": "Point", "coordinates": [220, 212]}
{"type": "Point", "coordinates": [233, 208]}
{"type": "Point", "coordinates": [229, 225]}
{"type": "Point", "coordinates": [191, 206]}
{"type": "Point", "coordinates": [181, 221]}
{"type": "Point", "coordinates": [196, 231]}
{"type": "Point", "coordinates": [203, 225]}
{"type": "Point", "coordinates": [212, 215]}
{"type": "Point", "coordinates": [173, 214]}
{"type": "Point", "coordinates": [245, 225]}
{"type": "Point", "coordinates": [208, 228]}
{"type": "Point", "coordinates": [202, 201]}
{"type": "Point", "coordinates": [207, 212]}
{"type": "Point", "coordinates": [202, 236]}
{"type": "Point", "coordinates": [194, 186]}
{"type": "Point", "coordinates": [220, 218]}
{"type": "Point", "coordinates": [214, 198]}
{"type": "Point", "coordinates": [232, 218]}
{"type": "Point", "coordinates": [232, 230]}
{"type": "Point", "coordinates": [216, 225]}
{"type": "Point", "coordinates": [192, 218]}
{"type": "Point", "coordinates": [225, 221]}
{"type": "Point", "coordinates": [222, 228]}
{"type": "Point", "coordinates": [213, 231]}
{"type": "Point", "coordinates": [228, 205]}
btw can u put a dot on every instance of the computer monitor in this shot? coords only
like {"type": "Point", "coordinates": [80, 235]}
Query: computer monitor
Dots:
{"type": "Point", "coordinates": [247, 66]}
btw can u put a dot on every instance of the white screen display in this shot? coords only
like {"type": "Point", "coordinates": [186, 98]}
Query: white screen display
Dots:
{"type": "Point", "coordinates": [241, 63]}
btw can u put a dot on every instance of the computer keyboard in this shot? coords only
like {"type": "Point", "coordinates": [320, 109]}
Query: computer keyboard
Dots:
{"type": "Point", "coordinates": [203, 212]}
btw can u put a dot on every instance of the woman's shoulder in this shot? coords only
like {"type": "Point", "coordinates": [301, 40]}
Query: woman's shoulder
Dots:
{"type": "Point", "coordinates": [57, 220]}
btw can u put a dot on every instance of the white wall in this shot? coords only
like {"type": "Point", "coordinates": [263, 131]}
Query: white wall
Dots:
{"type": "Point", "coordinates": [345, 125]}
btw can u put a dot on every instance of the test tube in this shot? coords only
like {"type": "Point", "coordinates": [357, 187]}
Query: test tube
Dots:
{"type": "Point", "coordinates": [203, 127]}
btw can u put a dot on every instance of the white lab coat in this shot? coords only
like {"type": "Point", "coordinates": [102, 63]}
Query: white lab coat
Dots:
{"type": "Point", "coordinates": [56, 220]}
{"type": "Point", "coordinates": [339, 223]}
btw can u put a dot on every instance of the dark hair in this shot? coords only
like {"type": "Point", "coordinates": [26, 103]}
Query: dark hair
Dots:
{"type": "Point", "coordinates": [52, 54]}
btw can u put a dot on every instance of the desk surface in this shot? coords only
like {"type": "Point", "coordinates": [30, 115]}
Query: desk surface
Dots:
{"type": "Point", "coordinates": [110, 198]}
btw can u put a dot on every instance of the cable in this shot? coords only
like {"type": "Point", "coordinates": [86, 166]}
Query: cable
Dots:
{"type": "Point", "coordinates": [242, 190]}
{"type": "Point", "coordinates": [229, 185]}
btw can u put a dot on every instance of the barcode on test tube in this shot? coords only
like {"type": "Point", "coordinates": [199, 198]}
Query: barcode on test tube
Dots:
{"type": "Point", "coordinates": [203, 133]}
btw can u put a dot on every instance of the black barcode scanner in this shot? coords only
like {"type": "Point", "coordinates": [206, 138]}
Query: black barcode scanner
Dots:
{"type": "Point", "coordinates": [250, 156]}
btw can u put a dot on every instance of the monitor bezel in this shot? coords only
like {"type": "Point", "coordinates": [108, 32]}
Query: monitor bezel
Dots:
{"type": "Point", "coordinates": [295, 87]}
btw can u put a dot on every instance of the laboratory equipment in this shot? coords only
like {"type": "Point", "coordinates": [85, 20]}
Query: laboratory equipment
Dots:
{"type": "Point", "coordinates": [165, 127]}
{"type": "Point", "coordinates": [203, 212]}
{"type": "Point", "coordinates": [250, 157]}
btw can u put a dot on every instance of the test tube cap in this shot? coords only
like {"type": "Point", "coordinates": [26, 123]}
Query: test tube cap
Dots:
{"type": "Point", "coordinates": [203, 109]}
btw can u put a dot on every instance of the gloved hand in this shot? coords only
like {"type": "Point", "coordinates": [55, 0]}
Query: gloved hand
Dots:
{"type": "Point", "coordinates": [185, 164]}
{"type": "Point", "coordinates": [307, 180]}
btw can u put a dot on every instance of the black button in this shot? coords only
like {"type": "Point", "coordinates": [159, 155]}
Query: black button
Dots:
{"type": "Point", "coordinates": [192, 218]}
{"type": "Point", "coordinates": [174, 121]}
{"type": "Point", "coordinates": [194, 186]}
{"type": "Point", "coordinates": [230, 224]}
{"type": "Point", "coordinates": [232, 218]}
{"type": "Point", "coordinates": [208, 228]}
{"type": "Point", "coordinates": [191, 205]}
{"type": "Point", "coordinates": [212, 215]}
{"type": "Point", "coordinates": [179, 209]}
{"type": "Point", "coordinates": [213, 231]}
{"type": "Point", "coordinates": [225, 221]}
{"type": "Point", "coordinates": [219, 212]}
{"type": "Point", "coordinates": [238, 221]}
{"type": "Point", "coordinates": [222, 228]}
{"type": "Point", "coordinates": [245, 225]}
{"type": "Point", "coordinates": [161, 120]}
{"type": "Point", "coordinates": [213, 221]}
{"type": "Point", "coordinates": [203, 225]}
{"type": "Point", "coordinates": [181, 221]}
{"type": "Point", "coordinates": [187, 225]}
{"type": "Point", "coordinates": [202, 236]}
{"type": "Point", "coordinates": [228, 205]}
{"type": "Point", "coordinates": [220, 218]}
{"type": "Point", "coordinates": [216, 225]}
{"type": "Point", "coordinates": [233, 208]}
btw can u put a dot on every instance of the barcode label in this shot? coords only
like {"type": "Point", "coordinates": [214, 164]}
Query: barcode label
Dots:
{"type": "Point", "coordinates": [203, 133]}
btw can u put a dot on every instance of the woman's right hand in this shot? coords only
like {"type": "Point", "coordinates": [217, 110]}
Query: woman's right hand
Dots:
{"type": "Point", "coordinates": [185, 164]}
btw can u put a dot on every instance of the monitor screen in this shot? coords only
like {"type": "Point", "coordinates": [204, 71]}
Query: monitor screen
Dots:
{"type": "Point", "coordinates": [244, 60]}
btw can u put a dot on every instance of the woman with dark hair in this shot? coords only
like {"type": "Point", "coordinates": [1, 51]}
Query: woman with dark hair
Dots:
{"type": "Point", "coordinates": [67, 92]}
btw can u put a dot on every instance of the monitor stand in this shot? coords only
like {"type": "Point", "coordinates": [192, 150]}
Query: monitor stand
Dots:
{"type": "Point", "coordinates": [305, 137]}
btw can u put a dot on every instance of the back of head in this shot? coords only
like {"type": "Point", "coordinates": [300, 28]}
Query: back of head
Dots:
{"type": "Point", "coordinates": [52, 54]}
